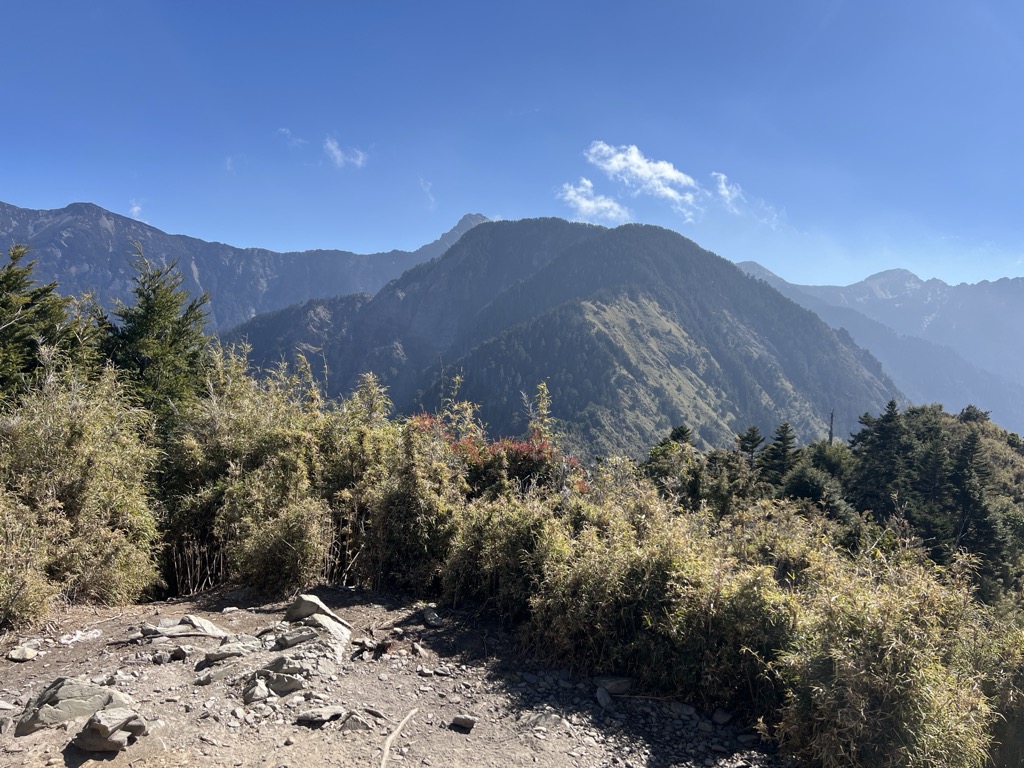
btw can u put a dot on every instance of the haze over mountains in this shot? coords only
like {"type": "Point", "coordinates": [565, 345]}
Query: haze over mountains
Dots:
{"type": "Point", "coordinates": [954, 345]}
{"type": "Point", "coordinates": [635, 329]}
{"type": "Point", "coordinates": [86, 248]}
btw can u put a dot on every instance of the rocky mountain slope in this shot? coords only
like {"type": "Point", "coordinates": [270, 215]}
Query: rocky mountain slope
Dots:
{"type": "Point", "coordinates": [367, 680]}
{"type": "Point", "coordinates": [900, 319]}
{"type": "Point", "coordinates": [635, 330]}
{"type": "Point", "coordinates": [86, 248]}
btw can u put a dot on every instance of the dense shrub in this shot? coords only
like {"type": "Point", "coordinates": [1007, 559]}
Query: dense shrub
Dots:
{"type": "Point", "coordinates": [73, 457]}
{"type": "Point", "coordinates": [887, 665]}
{"type": "Point", "coordinates": [25, 592]}
{"type": "Point", "coordinates": [241, 475]}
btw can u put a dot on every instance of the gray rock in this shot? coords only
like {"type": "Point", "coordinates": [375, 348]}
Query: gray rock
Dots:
{"type": "Point", "coordinates": [321, 714]}
{"type": "Point", "coordinates": [6, 706]}
{"type": "Point", "coordinates": [280, 685]}
{"type": "Point", "coordinates": [107, 721]}
{"type": "Point", "coordinates": [22, 653]}
{"type": "Point", "coordinates": [67, 698]}
{"type": "Point", "coordinates": [286, 665]}
{"type": "Point", "coordinates": [232, 650]}
{"type": "Point", "coordinates": [90, 741]}
{"type": "Point", "coordinates": [721, 717]}
{"type": "Point", "coordinates": [111, 730]}
{"type": "Point", "coordinates": [256, 691]}
{"type": "Point", "coordinates": [161, 657]}
{"type": "Point", "coordinates": [339, 632]}
{"type": "Point", "coordinates": [463, 721]}
{"type": "Point", "coordinates": [187, 626]}
{"type": "Point", "coordinates": [431, 617]}
{"type": "Point", "coordinates": [6, 725]}
{"type": "Point", "coordinates": [221, 673]}
{"type": "Point", "coordinates": [604, 698]}
{"type": "Point", "coordinates": [308, 605]}
{"type": "Point", "coordinates": [356, 722]}
{"type": "Point", "coordinates": [616, 686]}
{"type": "Point", "coordinates": [294, 637]}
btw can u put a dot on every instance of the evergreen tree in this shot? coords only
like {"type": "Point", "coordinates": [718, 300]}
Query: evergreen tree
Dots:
{"type": "Point", "coordinates": [979, 528]}
{"type": "Point", "coordinates": [748, 443]}
{"type": "Point", "coordinates": [681, 434]}
{"type": "Point", "coordinates": [31, 316]}
{"type": "Point", "coordinates": [880, 482]}
{"type": "Point", "coordinates": [781, 454]}
{"type": "Point", "coordinates": [159, 343]}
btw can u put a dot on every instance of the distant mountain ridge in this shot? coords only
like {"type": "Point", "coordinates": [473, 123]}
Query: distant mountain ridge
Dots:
{"type": "Point", "coordinates": [635, 330]}
{"type": "Point", "coordinates": [954, 345]}
{"type": "Point", "coordinates": [86, 248]}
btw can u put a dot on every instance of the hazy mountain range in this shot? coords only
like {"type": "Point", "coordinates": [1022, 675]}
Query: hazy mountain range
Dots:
{"type": "Point", "coordinates": [946, 344]}
{"type": "Point", "coordinates": [635, 329]}
{"type": "Point", "coordinates": [86, 248]}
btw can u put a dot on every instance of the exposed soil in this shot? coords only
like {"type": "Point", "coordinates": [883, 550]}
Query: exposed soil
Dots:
{"type": "Point", "coordinates": [525, 715]}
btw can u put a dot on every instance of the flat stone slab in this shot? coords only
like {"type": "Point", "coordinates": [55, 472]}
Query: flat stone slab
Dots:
{"type": "Point", "coordinates": [322, 714]}
{"type": "Point", "coordinates": [67, 698]}
{"type": "Point", "coordinates": [308, 605]}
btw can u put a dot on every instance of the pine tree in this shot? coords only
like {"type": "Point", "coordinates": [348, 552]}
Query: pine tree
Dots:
{"type": "Point", "coordinates": [31, 316]}
{"type": "Point", "coordinates": [781, 454]}
{"type": "Point", "coordinates": [159, 343]}
{"type": "Point", "coordinates": [882, 448]}
{"type": "Point", "coordinates": [748, 443]}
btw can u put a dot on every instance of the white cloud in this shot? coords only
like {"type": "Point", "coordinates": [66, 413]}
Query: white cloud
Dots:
{"type": "Point", "coordinates": [290, 138]}
{"type": "Point", "coordinates": [641, 175]}
{"type": "Point", "coordinates": [591, 207]}
{"type": "Point", "coordinates": [653, 177]}
{"type": "Point", "coordinates": [135, 210]}
{"type": "Point", "coordinates": [729, 194]}
{"type": "Point", "coordinates": [427, 187]}
{"type": "Point", "coordinates": [341, 157]}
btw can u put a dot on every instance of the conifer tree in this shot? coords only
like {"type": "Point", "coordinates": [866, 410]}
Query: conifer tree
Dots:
{"type": "Point", "coordinates": [159, 342]}
{"type": "Point", "coordinates": [748, 443]}
{"type": "Point", "coordinates": [31, 316]}
{"type": "Point", "coordinates": [781, 455]}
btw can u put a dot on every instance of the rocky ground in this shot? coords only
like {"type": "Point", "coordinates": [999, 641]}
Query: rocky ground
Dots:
{"type": "Point", "coordinates": [356, 679]}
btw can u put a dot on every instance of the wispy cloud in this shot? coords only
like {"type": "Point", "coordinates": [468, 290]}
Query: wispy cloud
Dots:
{"type": "Point", "coordinates": [658, 178]}
{"type": "Point", "coordinates": [135, 210]}
{"type": "Point", "coordinates": [342, 157]}
{"type": "Point", "coordinates": [730, 194]}
{"type": "Point", "coordinates": [593, 207]}
{"type": "Point", "coordinates": [291, 139]}
{"type": "Point", "coordinates": [427, 188]}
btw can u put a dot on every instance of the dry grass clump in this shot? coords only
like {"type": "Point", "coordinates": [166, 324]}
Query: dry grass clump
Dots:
{"type": "Point", "coordinates": [889, 664]}
{"type": "Point", "coordinates": [242, 473]}
{"type": "Point", "coordinates": [75, 478]}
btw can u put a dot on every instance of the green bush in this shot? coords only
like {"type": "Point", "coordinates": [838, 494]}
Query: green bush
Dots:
{"type": "Point", "coordinates": [241, 479]}
{"type": "Point", "coordinates": [884, 667]}
{"type": "Point", "coordinates": [499, 551]}
{"type": "Point", "coordinates": [25, 592]}
{"type": "Point", "coordinates": [74, 458]}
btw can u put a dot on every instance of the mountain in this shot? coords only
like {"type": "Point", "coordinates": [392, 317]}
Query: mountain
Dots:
{"type": "Point", "coordinates": [86, 248]}
{"type": "Point", "coordinates": [635, 329]}
{"type": "Point", "coordinates": [979, 321]}
{"type": "Point", "coordinates": [928, 335]}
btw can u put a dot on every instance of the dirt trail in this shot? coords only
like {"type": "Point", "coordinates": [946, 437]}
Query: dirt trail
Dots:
{"type": "Point", "coordinates": [401, 693]}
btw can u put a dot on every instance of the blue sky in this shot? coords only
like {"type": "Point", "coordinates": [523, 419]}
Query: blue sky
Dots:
{"type": "Point", "coordinates": [827, 140]}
